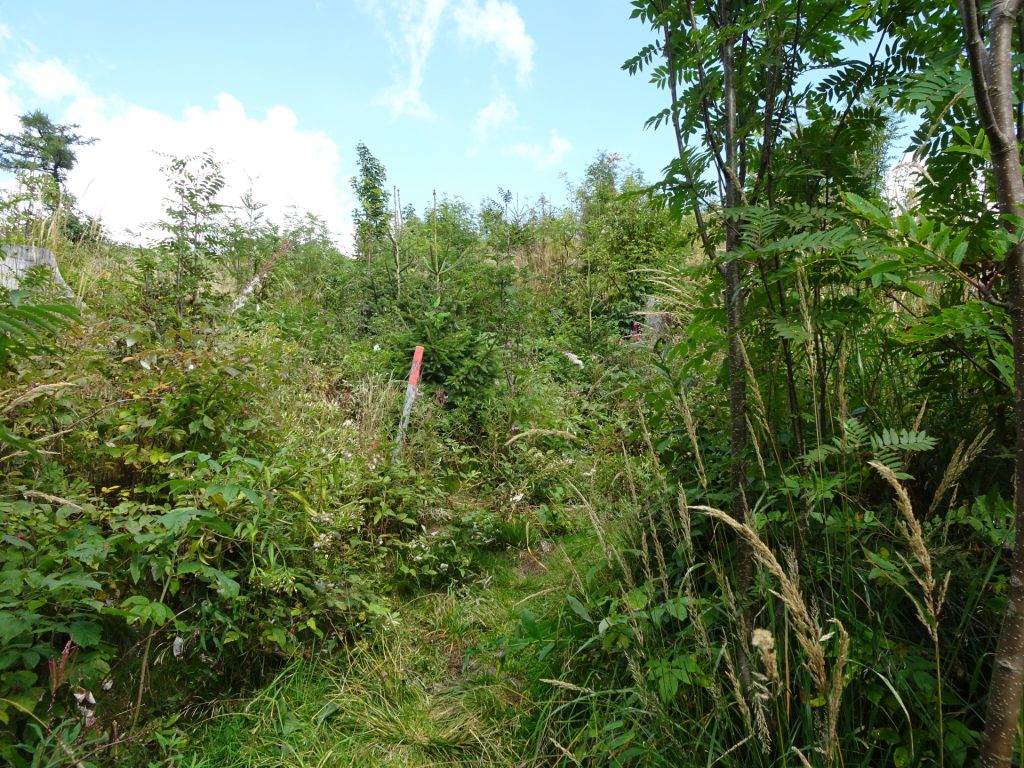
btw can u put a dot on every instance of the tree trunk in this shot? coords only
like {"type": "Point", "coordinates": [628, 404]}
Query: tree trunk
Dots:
{"type": "Point", "coordinates": [992, 79]}
{"type": "Point", "coordinates": [734, 322]}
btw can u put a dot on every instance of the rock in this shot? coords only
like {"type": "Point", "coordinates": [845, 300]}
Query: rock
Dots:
{"type": "Point", "coordinates": [656, 318]}
{"type": "Point", "coordinates": [18, 259]}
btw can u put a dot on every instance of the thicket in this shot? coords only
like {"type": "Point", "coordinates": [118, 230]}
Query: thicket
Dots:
{"type": "Point", "coordinates": [820, 548]}
{"type": "Point", "coordinates": [798, 474]}
{"type": "Point", "coordinates": [200, 474]}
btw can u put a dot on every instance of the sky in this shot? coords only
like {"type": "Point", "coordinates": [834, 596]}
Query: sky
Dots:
{"type": "Point", "coordinates": [457, 96]}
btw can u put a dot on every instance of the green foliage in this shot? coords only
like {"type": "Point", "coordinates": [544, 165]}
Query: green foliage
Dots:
{"type": "Point", "coordinates": [248, 242]}
{"type": "Point", "coordinates": [374, 213]}
{"type": "Point", "coordinates": [192, 500]}
{"type": "Point", "coordinates": [24, 325]}
{"type": "Point", "coordinates": [24, 328]}
{"type": "Point", "coordinates": [191, 242]}
{"type": "Point", "coordinates": [41, 146]}
{"type": "Point", "coordinates": [841, 610]}
{"type": "Point", "coordinates": [459, 358]}
{"type": "Point", "coordinates": [213, 494]}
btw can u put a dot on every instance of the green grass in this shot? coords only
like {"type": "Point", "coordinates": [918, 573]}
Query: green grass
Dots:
{"type": "Point", "coordinates": [433, 689]}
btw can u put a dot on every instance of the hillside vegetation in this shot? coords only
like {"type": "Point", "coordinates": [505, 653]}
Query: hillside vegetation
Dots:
{"type": "Point", "coordinates": [715, 470]}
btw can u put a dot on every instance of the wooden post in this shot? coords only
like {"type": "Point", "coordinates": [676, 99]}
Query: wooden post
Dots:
{"type": "Point", "coordinates": [410, 396]}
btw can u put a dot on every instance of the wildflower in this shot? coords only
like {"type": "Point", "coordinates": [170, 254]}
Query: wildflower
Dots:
{"type": "Point", "coordinates": [86, 706]}
{"type": "Point", "coordinates": [764, 643]}
{"type": "Point", "coordinates": [573, 359]}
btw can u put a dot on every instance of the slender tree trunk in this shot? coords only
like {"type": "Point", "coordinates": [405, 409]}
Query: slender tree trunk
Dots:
{"type": "Point", "coordinates": [734, 322]}
{"type": "Point", "coordinates": [178, 304]}
{"type": "Point", "coordinates": [734, 296]}
{"type": "Point", "coordinates": [1004, 703]}
{"type": "Point", "coordinates": [395, 236]}
{"type": "Point", "coordinates": [992, 79]}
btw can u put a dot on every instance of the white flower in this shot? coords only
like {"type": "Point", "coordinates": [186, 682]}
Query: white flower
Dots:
{"type": "Point", "coordinates": [573, 359]}
{"type": "Point", "coordinates": [86, 705]}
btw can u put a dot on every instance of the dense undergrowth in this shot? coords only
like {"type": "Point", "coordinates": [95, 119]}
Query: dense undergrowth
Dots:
{"type": "Point", "coordinates": [661, 503]}
{"type": "Point", "coordinates": [195, 495]}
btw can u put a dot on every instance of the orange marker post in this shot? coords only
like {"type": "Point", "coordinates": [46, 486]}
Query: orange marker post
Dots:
{"type": "Point", "coordinates": [410, 397]}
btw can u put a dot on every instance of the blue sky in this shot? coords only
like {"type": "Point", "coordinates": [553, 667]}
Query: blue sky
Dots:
{"type": "Point", "coordinates": [461, 96]}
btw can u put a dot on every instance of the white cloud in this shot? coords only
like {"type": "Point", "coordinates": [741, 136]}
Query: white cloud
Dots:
{"type": "Point", "coordinates": [500, 24]}
{"type": "Point", "coordinates": [374, 8]}
{"type": "Point", "coordinates": [49, 80]}
{"type": "Point", "coordinates": [417, 27]}
{"type": "Point", "coordinates": [412, 28]}
{"type": "Point", "coordinates": [499, 112]}
{"type": "Point", "coordinates": [119, 179]}
{"type": "Point", "coordinates": [901, 181]}
{"type": "Point", "coordinates": [543, 155]}
{"type": "Point", "coordinates": [405, 100]}
{"type": "Point", "coordinates": [10, 107]}
{"type": "Point", "coordinates": [5, 32]}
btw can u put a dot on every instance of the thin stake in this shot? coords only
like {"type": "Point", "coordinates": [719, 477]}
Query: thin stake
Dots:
{"type": "Point", "coordinates": [410, 396]}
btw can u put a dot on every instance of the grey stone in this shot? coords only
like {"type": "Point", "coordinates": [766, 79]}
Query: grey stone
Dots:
{"type": "Point", "coordinates": [18, 259]}
{"type": "Point", "coordinates": [657, 319]}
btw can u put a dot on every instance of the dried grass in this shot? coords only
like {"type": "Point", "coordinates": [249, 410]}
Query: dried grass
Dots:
{"type": "Point", "coordinates": [962, 458]}
{"type": "Point", "coordinates": [809, 635]}
{"type": "Point", "coordinates": [691, 432]}
{"type": "Point", "coordinates": [933, 593]}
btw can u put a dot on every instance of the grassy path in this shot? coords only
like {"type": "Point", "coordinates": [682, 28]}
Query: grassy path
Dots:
{"type": "Point", "coordinates": [432, 690]}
